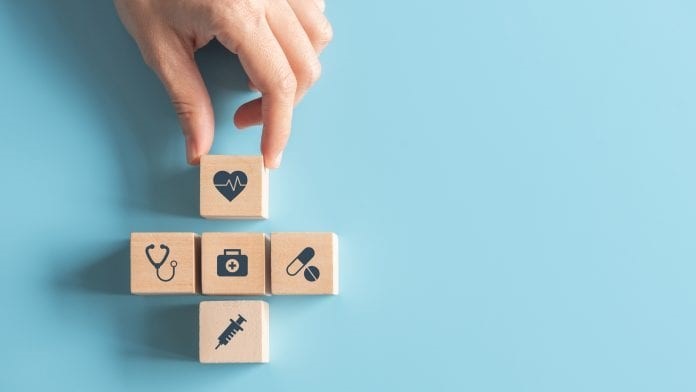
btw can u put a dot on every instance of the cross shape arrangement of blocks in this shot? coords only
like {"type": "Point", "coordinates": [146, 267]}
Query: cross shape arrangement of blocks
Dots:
{"type": "Point", "coordinates": [234, 263]}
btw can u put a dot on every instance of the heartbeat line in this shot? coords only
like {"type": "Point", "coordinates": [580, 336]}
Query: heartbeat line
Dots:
{"type": "Point", "coordinates": [237, 182]}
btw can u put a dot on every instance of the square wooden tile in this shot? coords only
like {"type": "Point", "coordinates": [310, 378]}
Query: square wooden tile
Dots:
{"type": "Point", "coordinates": [164, 263]}
{"type": "Point", "coordinates": [233, 331]}
{"type": "Point", "coordinates": [233, 187]}
{"type": "Point", "coordinates": [235, 264]}
{"type": "Point", "coordinates": [304, 263]}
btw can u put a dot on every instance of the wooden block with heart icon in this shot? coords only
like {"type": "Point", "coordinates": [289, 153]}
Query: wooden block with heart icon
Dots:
{"type": "Point", "coordinates": [304, 263]}
{"type": "Point", "coordinates": [165, 263]}
{"type": "Point", "coordinates": [233, 187]}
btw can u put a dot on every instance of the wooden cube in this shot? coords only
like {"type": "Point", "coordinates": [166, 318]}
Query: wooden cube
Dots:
{"type": "Point", "coordinates": [165, 263]}
{"type": "Point", "coordinates": [234, 187]}
{"type": "Point", "coordinates": [304, 263]}
{"type": "Point", "coordinates": [235, 264]}
{"type": "Point", "coordinates": [233, 331]}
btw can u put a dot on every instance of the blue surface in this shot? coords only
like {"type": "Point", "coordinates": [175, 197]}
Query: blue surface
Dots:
{"type": "Point", "coordinates": [512, 183]}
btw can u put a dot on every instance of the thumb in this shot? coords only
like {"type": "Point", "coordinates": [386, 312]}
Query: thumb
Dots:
{"type": "Point", "coordinates": [177, 69]}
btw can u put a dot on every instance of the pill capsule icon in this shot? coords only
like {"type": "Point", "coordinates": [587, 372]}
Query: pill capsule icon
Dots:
{"type": "Point", "coordinates": [300, 261]}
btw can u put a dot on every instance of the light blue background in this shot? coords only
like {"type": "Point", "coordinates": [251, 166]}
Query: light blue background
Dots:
{"type": "Point", "coordinates": [512, 183]}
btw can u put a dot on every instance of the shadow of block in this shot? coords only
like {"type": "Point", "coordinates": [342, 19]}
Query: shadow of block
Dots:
{"type": "Point", "coordinates": [107, 274]}
{"type": "Point", "coordinates": [171, 331]}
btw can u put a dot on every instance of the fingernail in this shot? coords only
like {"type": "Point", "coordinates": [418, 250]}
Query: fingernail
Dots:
{"type": "Point", "coordinates": [276, 162]}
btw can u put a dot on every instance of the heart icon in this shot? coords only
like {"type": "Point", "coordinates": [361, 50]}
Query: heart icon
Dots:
{"type": "Point", "coordinates": [230, 185]}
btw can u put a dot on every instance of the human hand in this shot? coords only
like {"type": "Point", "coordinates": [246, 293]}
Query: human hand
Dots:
{"type": "Point", "coordinates": [278, 43]}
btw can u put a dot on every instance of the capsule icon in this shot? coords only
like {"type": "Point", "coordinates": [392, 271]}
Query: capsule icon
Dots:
{"type": "Point", "coordinates": [300, 261]}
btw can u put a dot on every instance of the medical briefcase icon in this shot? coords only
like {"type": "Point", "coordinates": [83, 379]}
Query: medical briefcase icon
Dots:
{"type": "Point", "coordinates": [232, 263]}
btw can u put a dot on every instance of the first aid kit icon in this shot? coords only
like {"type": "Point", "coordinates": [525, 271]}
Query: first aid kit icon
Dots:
{"type": "Point", "coordinates": [232, 263]}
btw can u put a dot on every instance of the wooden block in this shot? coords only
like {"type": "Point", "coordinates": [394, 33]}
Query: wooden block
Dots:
{"type": "Point", "coordinates": [233, 331]}
{"type": "Point", "coordinates": [235, 264]}
{"type": "Point", "coordinates": [234, 187]}
{"type": "Point", "coordinates": [165, 263]}
{"type": "Point", "coordinates": [304, 263]}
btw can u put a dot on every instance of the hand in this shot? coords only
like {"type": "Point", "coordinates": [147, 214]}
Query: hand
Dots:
{"type": "Point", "coordinates": [278, 43]}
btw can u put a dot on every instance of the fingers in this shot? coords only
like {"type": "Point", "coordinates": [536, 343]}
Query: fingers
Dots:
{"type": "Point", "coordinates": [177, 69]}
{"type": "Point", "coordinates": [265, 62]}
{"type": "Point", "coordinates": [278, 49]}
{"type": "Point", "coordinates": [316, 26]}
{"type": "Point", "coordinates": [299, 52]}
{"type": "Point", "coordinates": [321, 5]}
{"type": "Point", "coordinates": [249, 114]}
{"type": "Point", "coordinates": [296, 46]}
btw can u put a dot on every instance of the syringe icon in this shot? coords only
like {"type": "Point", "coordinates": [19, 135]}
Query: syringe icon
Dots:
{"type": "Point", "coordinates": [230, 331]}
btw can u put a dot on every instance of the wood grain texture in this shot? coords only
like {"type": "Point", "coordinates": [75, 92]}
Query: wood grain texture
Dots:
{"type": "Point", "coordinates": [250, 203]}
{"type": "Point", "coordinates": [183, 250]}
{"type": "Point", "coordinates": [256, 277]}
{"type": "Point", "coordinates": [249, 344]}
{"type": "Point", "coordinates": [318, 276]}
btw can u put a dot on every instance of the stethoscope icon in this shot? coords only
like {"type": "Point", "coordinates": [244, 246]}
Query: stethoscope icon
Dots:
{"type": "Point", "coordinates": [164, 259]}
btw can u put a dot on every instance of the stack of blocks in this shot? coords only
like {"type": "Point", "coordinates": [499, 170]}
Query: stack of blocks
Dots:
{"type": "Point", "coordinates": [234, 187]}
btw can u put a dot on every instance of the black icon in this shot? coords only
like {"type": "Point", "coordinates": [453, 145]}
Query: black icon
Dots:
{"type": "Point", "coordinates": [157, 265]}
{"type": "Point", "coordinates": [311, 273]}
{"type": "Point", "coordinates": [230, 331]}
{"type": "Point", "coordinates": [231, 184]}
{"type": "Point", "coordinates": [232, 263]}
